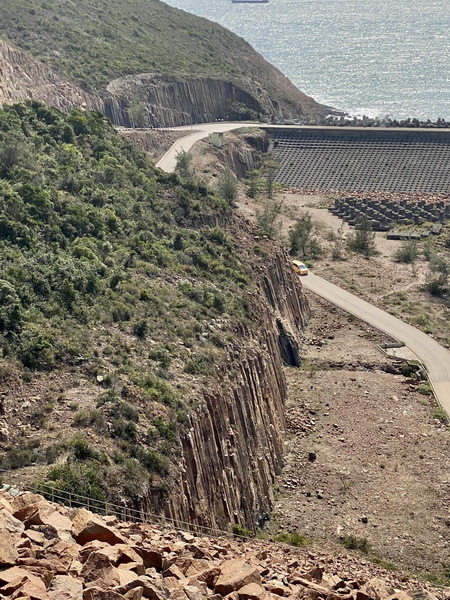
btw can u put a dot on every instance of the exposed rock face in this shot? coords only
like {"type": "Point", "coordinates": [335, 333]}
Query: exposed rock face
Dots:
{"type": "Point", "coordinates": [242, 153]}
{"type": "Point", "coordinates": [171, 101]}
{"type": "Point", "coordinates": [189, 568]}
{"type": "Point", "coordinates": [233, 448]}
{"type": "Point", "coordinates": [22, 77]}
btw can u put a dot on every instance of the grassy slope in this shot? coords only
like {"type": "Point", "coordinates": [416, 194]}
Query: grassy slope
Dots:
{"type": "Point", "coordinates": [95, 41]}
{"type": "Point", "coordinates": [107, 272]}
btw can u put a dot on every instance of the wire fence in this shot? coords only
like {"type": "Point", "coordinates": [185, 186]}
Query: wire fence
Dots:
{"type": "Point", "coordinates": [121, 512]}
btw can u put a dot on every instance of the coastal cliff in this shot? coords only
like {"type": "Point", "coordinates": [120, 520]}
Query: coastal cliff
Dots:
{"type": "Point", "coordinates": [170, 101]}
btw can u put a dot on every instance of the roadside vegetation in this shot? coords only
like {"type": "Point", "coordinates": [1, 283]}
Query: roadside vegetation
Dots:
{"type": "Point", "coordinates": [117, 271]}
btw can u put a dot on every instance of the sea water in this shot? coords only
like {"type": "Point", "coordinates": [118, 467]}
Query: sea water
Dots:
{"type": "Point", "coordinates": [372, 57]}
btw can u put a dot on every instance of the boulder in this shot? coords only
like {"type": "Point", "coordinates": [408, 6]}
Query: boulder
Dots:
{"type": "Point", "coordinates": [65, 587]}
{"type": "Point", "coordinates": [95, 593]}
{"type": "Point", "coordinates": [153, 590]}
{"type": "Point", "coordinates": [136, 567]}
{"type": "Point", "coordinates": [378, 588]}
{"type": "Point", "coordinates": [26, 499]}
{"type": "Point", "coordinates": [19, 582]}
{"type": "Point", "coordinates": [31, 508]}
{"type": "Point", "coordinates": [121, 553]}
{"type": "Point", "coordinates": [10, 523]}
{"type": "Point", "coordinates": [135, 594]}
{"type": "Point", "coordinates": [194, 593]}
{"type": "Point", "coordinates": [98, 567]}
{"type": "Point", "coordinates": [44, 568]}
{"type": "Point", "coordinates": [87, 527]}
{"type": "Point", "coordinates": [56, 520]}
{"type": "Point", "coordinates": [209, 576]}
{"type": "Point", "coordinates": [252, 591]}
{"type": "Point", "coordinates": [151, 557]}
{"type": "Point", "coordinates": [36, 537]}
{"type": "Point", "coordinates": [278, 588]}
{"type": "Point", "coordinates": [8, 552]}
{"type": "Point", "coordinates": [174, 571]}
{"type": "Point", "coordinates": [6, 505]}
{"type": "Point", "coordinates": [90, 547]}
{"type": "Point", "coordinates": [363, 596]}
{"type": "Point", "coordinates": [234, 575]}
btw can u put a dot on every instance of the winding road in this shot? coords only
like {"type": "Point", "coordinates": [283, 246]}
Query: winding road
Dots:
{"type": "Point", "coordinates": [435, 357]}
{"type": "Point", "coordinates": [194, 133]}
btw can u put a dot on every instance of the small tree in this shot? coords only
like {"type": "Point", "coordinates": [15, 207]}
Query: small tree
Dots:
{"type": "Point", "coordinates": [267, 218]}
{"type": "Point", "coordinates": [228, 188]}
{"type": "Point", "coordinates": [437, 283]}
{"type": "Point", "coordinates": [338, 245]}
{"type": "Point", "coordinates": [253, 180]}
{"type": "Point", "coordinates": [301, 238]}
{"type": "Point", "coordinates": [300, 235]}
{"type": "Point", "coordinates": [269, 171]}
{"type": "Point", "coordinates": [184, 161]}
{"type": "Point", "coordinates": [363, 240]}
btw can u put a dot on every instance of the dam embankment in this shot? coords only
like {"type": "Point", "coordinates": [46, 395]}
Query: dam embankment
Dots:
{"type": "Point", "coordinates": [363, 159]}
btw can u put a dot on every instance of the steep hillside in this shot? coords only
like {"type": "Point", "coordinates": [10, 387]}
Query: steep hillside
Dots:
{"type": "Point", "coordinates": [24, 77]}
{"type": "Point", "coordinates": [96, 42]}
{"type": "Point", "coordinates": [142, 326]}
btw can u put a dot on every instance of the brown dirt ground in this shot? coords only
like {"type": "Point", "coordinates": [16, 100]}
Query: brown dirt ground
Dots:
{"type": "Point", "coordinates": [378, 452]}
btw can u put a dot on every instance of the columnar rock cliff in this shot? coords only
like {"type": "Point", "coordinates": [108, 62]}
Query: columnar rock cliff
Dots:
{"type": "Point", "coordinates": [233, 447]}
{"type": "Point", "coordinates": [170, 101]}
{"type": "Point", "coordinates": [22, 78]}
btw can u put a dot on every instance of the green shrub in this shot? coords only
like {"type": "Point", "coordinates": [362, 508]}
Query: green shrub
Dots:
{"type": "Point", "coordinates": [203, 364]}
{"type": "Point", "coordinates": [425, 389]}
{"type": "Point", "coordinates": [75, 479]}
{"type": "Point", "coordinates": [351, 542]}
{"type": "Point", "coordinates": [166, 430]}
{"type": "Point", "coordinates": [123, 429]}
{"type": "Point", "coordinates": [440, 414]}
{"type": "Point", "coordinates": [157, 390]}
{"type": "Point", "coordinates": [128, 412]}
{"type": "Point", "coordinates": [89, 418]}
{"type": "Point", "coordinates": [292, 539]}
{"type": "Point", "coordinates": [408, 252]}
{"type": "Point", "coordinates": [363, 238]}
{"type": "Point", "coordinates": [140, 328]}
{"type": "Point", "coordinates": [82, 450]}
{"type": "Point", "coordinates": [238, 530]}
{"type": "Point", "coordinates": [153, 462]}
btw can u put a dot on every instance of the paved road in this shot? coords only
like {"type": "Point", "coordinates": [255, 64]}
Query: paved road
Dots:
{"type": "Point", "coordinates": [195, 133]}
{"type": "Point", "coordinates": [433, 355]}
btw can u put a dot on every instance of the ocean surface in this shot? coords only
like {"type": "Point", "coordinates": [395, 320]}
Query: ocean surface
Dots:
{"type": "Point", "coordinates": [372, 57]}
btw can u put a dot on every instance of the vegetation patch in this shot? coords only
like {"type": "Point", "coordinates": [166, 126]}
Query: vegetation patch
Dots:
{"type": "Point", "coordinates": [114, 270]}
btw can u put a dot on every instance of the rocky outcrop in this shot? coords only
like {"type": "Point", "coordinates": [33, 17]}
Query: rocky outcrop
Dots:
{"type": "Point", "coordinates": [233, 447]}
{"type": "Point", "coordinates": [22, 77]}
{"type": "Point", "coordinates": [243, 152]}
{"type": "Point", "coordinates": [170, 101]}
{"type": "Point", "coordinates": [141, 561]}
